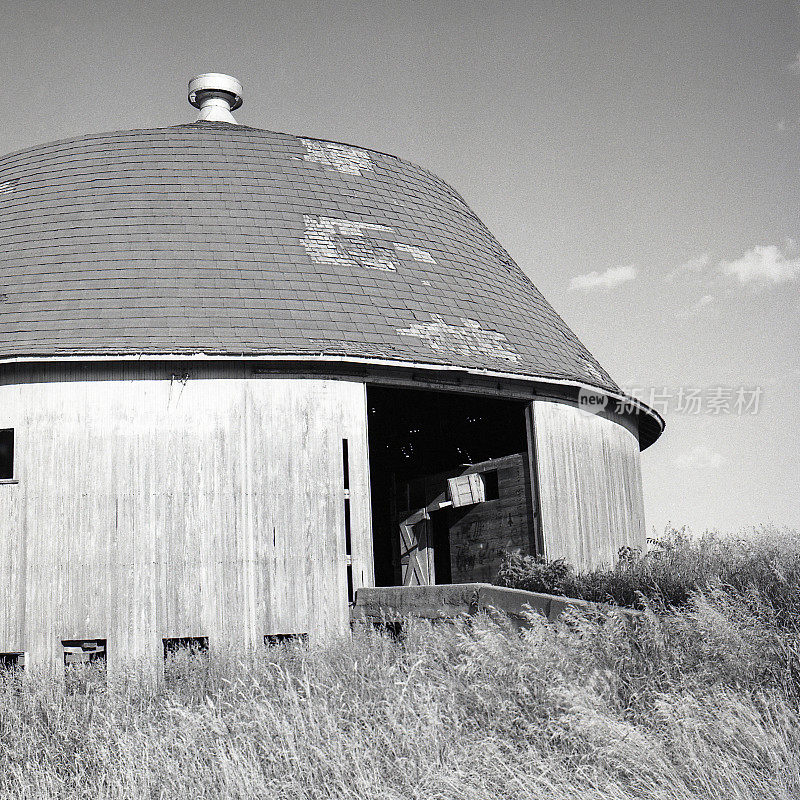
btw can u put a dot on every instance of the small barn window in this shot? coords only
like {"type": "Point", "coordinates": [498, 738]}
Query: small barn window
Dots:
{"type": "Point", "coordinates": [6, 454]}
{"type": "Point", "coordinates": [85, 663]}
{"type": "Point", "coordinates": [491, 486]}
{"type": "Point", "coordinates": [84, 651]}
{"type": "Point", "coordinates": [279, 639]}
{"type": "Point", "coordinates": [189, 645]}
{"type": "Point", "coordinates": [11, 661]}
{"type": "Point", "coordinates": [183, 657]}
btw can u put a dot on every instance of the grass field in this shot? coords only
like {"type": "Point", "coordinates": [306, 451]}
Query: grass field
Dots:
{"type": "Point", "coordinates": [696, 703]}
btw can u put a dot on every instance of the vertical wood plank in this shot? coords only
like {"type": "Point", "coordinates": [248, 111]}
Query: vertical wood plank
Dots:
{"type": "Point", "coordinates": [589, 484]}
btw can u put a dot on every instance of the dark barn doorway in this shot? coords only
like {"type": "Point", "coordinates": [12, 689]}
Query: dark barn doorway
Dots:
{"type": "Point", "coordinates": [420, 441]}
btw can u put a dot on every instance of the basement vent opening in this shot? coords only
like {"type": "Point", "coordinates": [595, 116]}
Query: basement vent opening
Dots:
{"type": "Point", "coordinates": [79, 652]}
{"type": "Point", "coordinates": [283, 639]}
{"type": "Point", "coordinates": [188, 645]}
{"type": "Point", "coordinates": [183, 655]}
{"type": "Point", "coordinates": [11, 661]}
{"type": "Point", "coordinates": [84, 664]}
{"type": "Point", "coordinates": [7, 454]}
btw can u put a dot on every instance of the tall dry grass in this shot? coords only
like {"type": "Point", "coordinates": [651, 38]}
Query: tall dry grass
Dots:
{"type": "Point", "coordinates": [763, 562]}
{"type": "Point", "coordinates": [698, 703]}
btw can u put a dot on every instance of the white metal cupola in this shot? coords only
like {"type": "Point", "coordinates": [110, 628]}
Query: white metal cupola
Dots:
{"type": "Point", "coordinates": [216, 95]}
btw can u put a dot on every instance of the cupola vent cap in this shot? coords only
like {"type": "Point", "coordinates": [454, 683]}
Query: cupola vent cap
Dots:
{"type": "Point", "coordinates": [216, 95]}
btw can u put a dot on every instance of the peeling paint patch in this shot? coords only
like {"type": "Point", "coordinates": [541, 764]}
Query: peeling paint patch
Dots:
{"type": "Point", "coordinates": [593, 372]}
{"type": "Point", "coordinates": [341, 157]}
{"type": "Point", "coordinates": [470, 339]}
{"type": "Point", "coordinates": [340, 241]}
{"type": "Point", "coordinates": [330, 240]}
{"type": "Point", "coordinates": [6, 187]}
{"type": "Point", "coordinates": [417, 253]}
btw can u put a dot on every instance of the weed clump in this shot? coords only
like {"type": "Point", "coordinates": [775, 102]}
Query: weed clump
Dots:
{"type": "Point", "coordinates": [763, 565]}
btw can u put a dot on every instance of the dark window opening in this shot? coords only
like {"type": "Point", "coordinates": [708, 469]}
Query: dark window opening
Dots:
{"type": "Point", "coordinates": [12, 661]}
{"type": "Point", "coordinates": [84, 651]}
{"type": "Point", "coordinates": [84, 664]}
{"type": "Point", "coordinates": [7, 454]}
{"type": "Point", "coordinates": [415, 495]}
{"type": "Point", "coordinates": [346, 463]}
{"type": "Point", "coordinates": [348, 541]}
{"type": "Point", "coordinates": [283, 639]}
{"type": "Point", "coordinates": [188, 645]}
{"type": "Point", "coordinates": [491, 487]}
{"type": "Point", "coordinates": [184, 657]}
{"type": "Point", "coordinates": [347, 529]}
{"type": "Point", "coordinates": [440, 526]}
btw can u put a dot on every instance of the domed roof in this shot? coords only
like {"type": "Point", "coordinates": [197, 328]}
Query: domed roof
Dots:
{"type": "Point", "coordinates": [219, 239]}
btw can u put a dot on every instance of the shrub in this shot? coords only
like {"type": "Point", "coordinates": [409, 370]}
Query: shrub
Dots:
{"type": "Point", "coordinates": [763, 565]}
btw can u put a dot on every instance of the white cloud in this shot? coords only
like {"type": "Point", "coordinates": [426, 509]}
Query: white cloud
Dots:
{"type": "Point", "coordinates": [703, 306]}
{"type": "Point", "coordinates": [695, 264]}
{"type": "Point", "coordinates": [788, 125]}
{"type": "Point", "coordinates": [705, 300]}
{"type": "Point", "coordinates": [699, 459]}
{"type": "Point", "coordinates": [613, 276]}
{"type": "Point", "coordinates": [763, 264]}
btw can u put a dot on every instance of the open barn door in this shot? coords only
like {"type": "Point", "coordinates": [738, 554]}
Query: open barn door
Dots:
{"type": "Point", "coordinates": [416, 553]}
{"type": "Point", "coordinates": [437, 461]}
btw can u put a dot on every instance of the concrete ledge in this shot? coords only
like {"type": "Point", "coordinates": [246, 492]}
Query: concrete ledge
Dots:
{"type": "Point", "coordinates": [453, 600]}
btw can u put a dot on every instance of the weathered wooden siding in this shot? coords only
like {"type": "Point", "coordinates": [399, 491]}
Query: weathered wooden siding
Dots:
{"type": "Point", "coordinates": [153, 506]}
{"type": "Point", "coordinates": [589, 484]}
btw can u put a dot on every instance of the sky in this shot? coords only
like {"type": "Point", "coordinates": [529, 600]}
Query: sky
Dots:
{"type": "Point", "coordinates": [639, 160]}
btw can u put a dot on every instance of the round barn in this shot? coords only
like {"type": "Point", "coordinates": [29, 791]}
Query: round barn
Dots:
{"type": "Point", "coordinates": [245, 373]}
